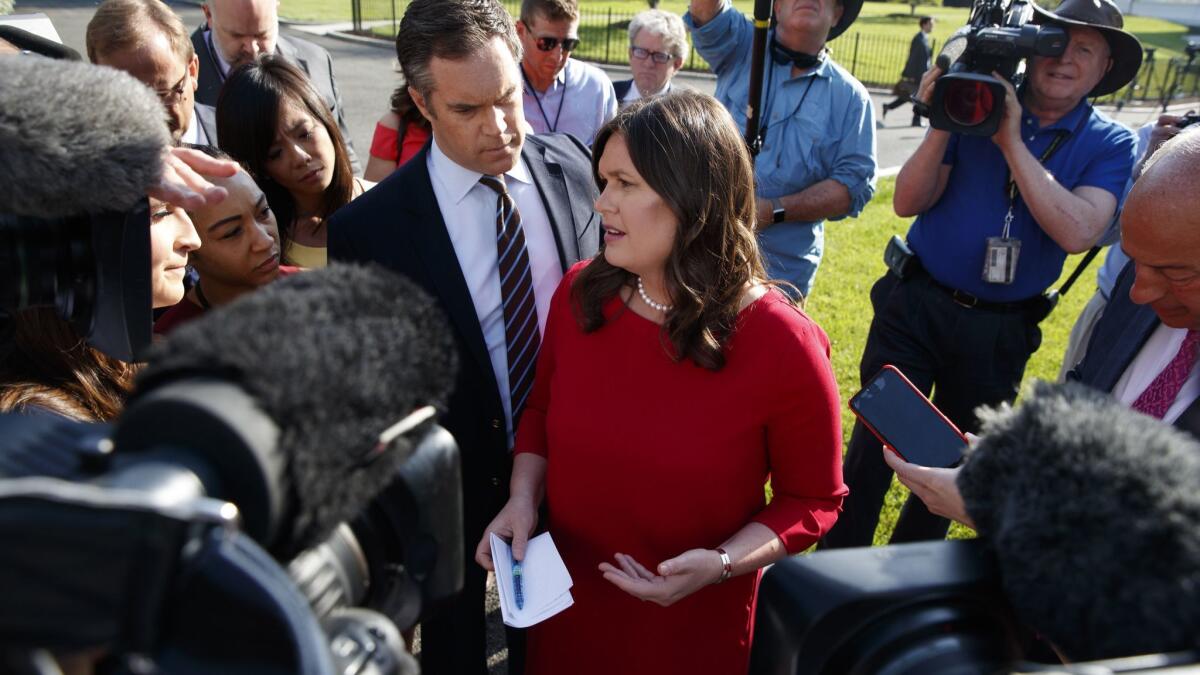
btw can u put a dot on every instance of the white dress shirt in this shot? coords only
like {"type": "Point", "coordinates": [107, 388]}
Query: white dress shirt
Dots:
{"type": "Point", "coordinates": [633, 94]}
{"type": "Point", "coordinates": [1158, 351]}
{"type": "Point", "coordinates": [469, 209]}
{"type": "Point", "coordinates": [195, 133]}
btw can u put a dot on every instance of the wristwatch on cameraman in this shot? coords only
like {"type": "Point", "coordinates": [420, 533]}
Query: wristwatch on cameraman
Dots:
{"type": "Point", "coordinates": [778, 213]}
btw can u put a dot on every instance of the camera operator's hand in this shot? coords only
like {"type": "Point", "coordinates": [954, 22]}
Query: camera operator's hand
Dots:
{"type": "Point", "coordinates": [183, 183]}
{"type": "Point", "coordinates": [935, 487]}
{"type": "Point", "coordinates": [1166, 128]}
{"type": "Point", "coordinates": [677, 578]}
{"type": "Point", "coordinates": [925, 88]}
{"type": "Point", "coordinates": [1008, 136]}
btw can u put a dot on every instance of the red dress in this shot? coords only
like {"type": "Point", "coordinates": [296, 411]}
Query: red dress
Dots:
{"type": "Point", "coordinates": [652, 458]}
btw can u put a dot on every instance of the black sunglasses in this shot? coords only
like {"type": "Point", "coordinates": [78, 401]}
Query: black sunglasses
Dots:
{"type": "Point", "coordinates": [643, 54]}
{"type": "Point", "coordinates": [547, 44]}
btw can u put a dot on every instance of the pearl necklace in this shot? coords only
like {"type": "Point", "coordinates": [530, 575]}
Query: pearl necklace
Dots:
{"type": "Point", "coordinates": [646, 299]}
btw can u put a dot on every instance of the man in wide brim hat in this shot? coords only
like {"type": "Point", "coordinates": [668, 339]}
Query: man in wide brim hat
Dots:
{"type": "Point", "coordinates": [1125, 52]}
{"type": "Point", "coordinates": [816, 131]}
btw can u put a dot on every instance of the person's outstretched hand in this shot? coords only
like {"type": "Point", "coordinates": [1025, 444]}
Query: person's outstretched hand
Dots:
{"type": "Point", "coordinates": [183, 182]}
{"type": "Point", "coordinates": [676, 579]}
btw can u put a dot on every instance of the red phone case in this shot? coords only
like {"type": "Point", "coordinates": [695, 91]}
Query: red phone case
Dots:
{"type": "Point", "coordinates": [905, 380]}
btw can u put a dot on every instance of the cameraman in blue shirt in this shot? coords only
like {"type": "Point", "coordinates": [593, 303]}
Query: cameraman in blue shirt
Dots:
{"type": "Point", "coordinates": [817, 160]}
{"type": "Point", "coordinates": [953, 325]}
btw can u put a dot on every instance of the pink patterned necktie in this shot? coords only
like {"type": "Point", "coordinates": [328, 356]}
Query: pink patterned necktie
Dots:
{"type": "Point", "coordinates": [1156, 400]}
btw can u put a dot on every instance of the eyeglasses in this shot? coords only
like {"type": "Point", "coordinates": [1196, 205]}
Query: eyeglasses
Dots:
{"type": "Point", "coordinates": [175, 93]}
{"type": "Point", "coordinates": [658, 57]}
{"type": "Point", "coordinates": [547, 44]}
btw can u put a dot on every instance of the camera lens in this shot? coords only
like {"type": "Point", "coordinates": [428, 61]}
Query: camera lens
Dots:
{"type": "Point", "coordinates": [968, 103]}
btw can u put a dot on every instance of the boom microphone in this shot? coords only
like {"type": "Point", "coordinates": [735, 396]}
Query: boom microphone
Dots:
{"type": "Point", "coordinates": [76, 138]}
{"type": "Point", "coordinates": [332, 358]}
{"type": "Point", "coordinates": [1093, 512]}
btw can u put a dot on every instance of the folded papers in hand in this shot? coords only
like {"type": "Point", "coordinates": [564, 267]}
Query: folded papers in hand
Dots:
{"type": "Point", "coordinates": [546, 584]}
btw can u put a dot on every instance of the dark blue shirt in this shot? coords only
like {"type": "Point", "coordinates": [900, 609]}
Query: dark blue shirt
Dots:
{"type": "Point", "coordinates": [951, 236]}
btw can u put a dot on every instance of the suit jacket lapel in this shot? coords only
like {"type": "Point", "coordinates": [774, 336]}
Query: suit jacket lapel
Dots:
{"type": "Point", "coordinates": [427, 230]}
{"type": "Point", "coordinates": [288, 51]}
{"type": "Point", "coordinates": [552, 186]}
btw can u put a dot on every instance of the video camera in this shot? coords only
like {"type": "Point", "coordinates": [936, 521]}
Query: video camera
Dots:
{"type": "Point", "coordinates": [275, 497]}
{"type": "Point", "coordinates": [998, 38]}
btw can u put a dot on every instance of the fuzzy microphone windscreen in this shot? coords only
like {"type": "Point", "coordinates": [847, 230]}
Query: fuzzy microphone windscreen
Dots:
{"type": "Point", "coordinates": [76, 138]}
{"type": "Point", "coordinates": [334, 356]}
{"type": "Point", "coordinates": [1093, 511]}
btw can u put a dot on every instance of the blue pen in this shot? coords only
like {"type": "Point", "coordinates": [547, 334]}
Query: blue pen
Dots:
{"type": "Point", "coordinates": [518, 592]}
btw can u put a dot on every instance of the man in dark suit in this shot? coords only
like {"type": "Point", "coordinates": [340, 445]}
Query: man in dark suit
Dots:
{"type": "Point", "coordinates": [1144, 348]}
{"type": "Point", "coordinates": [237, 31]}
{"type": "Point", "coordinates": [483, 201]}
{"type": "Point", "coordinates": [920, 51]}
{"type": "Point", "coordinates": [657, 45]}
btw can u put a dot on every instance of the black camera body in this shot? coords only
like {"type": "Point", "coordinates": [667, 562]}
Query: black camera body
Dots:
{"type": "Point", "coordinates": [1190, 118]}
{"type": "Point", "coordinates": [968, 98]}
{"type": "Point", "coordinates": [928, 608]}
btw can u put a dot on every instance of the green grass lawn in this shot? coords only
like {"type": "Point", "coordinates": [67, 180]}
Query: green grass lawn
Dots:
{"type": "Point", "coordinates": [853, 262]}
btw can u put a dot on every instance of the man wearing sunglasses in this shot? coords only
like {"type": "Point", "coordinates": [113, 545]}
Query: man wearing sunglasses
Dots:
{"type": "Point", "coordinates": [561, 94]}
{"type": "Point", "coordinates": [657, 43]}
{"type": "Point", "coordinates": [147, 40]}
{"type": "Point", "coordinates": [817, 127]}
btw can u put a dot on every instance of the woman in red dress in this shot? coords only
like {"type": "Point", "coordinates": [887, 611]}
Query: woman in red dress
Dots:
{"type": "Point", "coordinates": [672, 382]}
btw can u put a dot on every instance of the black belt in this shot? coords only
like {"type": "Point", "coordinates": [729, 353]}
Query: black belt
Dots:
{"type": "Point", "coordinates": [964, 299]}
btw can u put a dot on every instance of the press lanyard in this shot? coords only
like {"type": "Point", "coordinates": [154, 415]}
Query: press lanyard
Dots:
{"type": "Point", "coordinates": [558, 115]}
{"type": "Point", "coordinates": [1014, 191]}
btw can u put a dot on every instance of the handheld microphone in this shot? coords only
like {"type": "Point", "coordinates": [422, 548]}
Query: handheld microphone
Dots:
{"type": "Point", "coordinates": [1093, 512]}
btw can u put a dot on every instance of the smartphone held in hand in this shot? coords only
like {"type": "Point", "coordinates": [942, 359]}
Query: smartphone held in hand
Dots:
{"type": "Point", "coordinates": [904, 419]}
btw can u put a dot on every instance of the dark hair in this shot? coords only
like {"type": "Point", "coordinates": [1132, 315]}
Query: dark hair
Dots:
{"type": "Point", "coordinates": [247, 122]}
{"type": "Point", "coordinates": [688, 150]}
{"type": "Point", "coordinates": [401, 102]}
{"type": "Point", "coordinates": [924, 20]}
{"type": "Point", "coordinates": [449, 29]}
{"type": "Point", "coordinates": [45, 363]}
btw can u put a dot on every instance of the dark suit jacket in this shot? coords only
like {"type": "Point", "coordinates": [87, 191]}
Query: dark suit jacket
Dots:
{"type": "Point", "coordinates": [399, 225]}
{"type": "Point", "coordinates": [310, 58]}
{"type": "Point", "coordinates": [919, 53]}
{"type": "Point", "coordinates": [622, 89]}
{"type": "Point", "coordinates": [206, 117]}
{"type": "Point", "coordinates": [1118, 338]}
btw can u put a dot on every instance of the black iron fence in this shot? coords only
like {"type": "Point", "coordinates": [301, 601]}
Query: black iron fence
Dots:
{"type": "Point", "coordinates": [875, 60]}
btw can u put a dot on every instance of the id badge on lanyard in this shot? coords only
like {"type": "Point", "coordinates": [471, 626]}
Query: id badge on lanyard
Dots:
{"type": "Point", "coordinates": [1000, 256]}
{"type": "Point", "coordinates": [1001, 253]}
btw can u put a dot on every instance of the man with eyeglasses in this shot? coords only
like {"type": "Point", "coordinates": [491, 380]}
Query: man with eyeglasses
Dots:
{"type": "Point", "coordinates": [147, 40]}
{"type": "Point", "coordinates": [657, 44]}
{"type": "Point", "coordinates": [817, 126]}
{"type": "Point", "coordinates": [561, 94]}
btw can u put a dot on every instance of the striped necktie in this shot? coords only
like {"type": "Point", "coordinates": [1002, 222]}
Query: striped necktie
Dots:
{"type": "Point", "coordinates": [1160, 394]}
{"type": "Point", "coordinates": [516, 295]}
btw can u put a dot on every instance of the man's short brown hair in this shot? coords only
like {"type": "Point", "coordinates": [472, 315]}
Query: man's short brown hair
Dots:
{"type": "Point", "coordinates": [551, 10]}
{"type": "Point", "coordinates": [122, 25]}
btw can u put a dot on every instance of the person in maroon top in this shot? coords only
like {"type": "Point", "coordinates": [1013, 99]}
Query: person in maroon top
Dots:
{"type": "Point", "coordinates": [239, 249]}
{"type": "Point", "coordinates": [673, 382]}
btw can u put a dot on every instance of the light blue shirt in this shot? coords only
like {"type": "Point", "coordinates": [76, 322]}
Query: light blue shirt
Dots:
{"type": "Point", "coordinates": [578, 102]}
{"type": "Point", "coordinates": [1114, 262]}
{"type": "Point", "coordinates": [820, 124]}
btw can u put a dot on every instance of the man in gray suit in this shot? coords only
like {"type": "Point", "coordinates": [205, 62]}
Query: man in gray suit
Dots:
{"type": "Point", "coordinates": [237, 31]}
